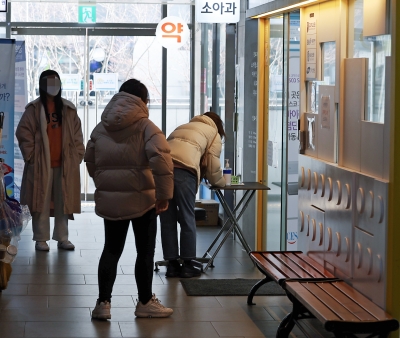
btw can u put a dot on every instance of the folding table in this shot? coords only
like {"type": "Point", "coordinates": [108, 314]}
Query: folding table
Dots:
{"type": "Point", "coordinates": [250, 188]}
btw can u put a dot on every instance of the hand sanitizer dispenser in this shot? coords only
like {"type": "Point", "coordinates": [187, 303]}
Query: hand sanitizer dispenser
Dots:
{"type": "Point", "coordinates": [227, 172]}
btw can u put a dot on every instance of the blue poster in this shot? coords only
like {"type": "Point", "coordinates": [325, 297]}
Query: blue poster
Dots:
{"type": "Point", "coordinates": [7, 97]}
{"type": "Point", "coordinates": [20, 102]}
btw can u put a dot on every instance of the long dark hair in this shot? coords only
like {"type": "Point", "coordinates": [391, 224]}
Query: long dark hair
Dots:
{"type": "Point", "coordinates": [57, 99]}
{"type": "Point", "coordinates": [218, 122]}
{"type": "Point", "coordinates": [135, 87]}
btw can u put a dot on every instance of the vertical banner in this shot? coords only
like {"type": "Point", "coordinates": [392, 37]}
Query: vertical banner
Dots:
{"type": "Point", "coordinates": [19, 108]}
{"type": "Point", "coordinates": [7, 87]}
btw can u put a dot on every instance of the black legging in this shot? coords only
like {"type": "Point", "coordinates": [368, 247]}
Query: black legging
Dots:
{"type": "Point", "coordinates": [145, 230]}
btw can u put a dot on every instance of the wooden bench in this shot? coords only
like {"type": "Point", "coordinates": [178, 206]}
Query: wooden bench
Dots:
{"type": "Point", "coordinates": [279, 266]}
{"type": "Point", "coordinates": [316, 293]}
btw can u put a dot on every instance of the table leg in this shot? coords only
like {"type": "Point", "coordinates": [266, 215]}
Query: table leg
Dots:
{"type": "Point", "coordinates": [223, 227]}
{"type": "Point", "coordinates": [234, 225]}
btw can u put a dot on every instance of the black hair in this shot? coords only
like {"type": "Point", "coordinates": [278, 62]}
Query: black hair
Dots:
{"type": "Point", "coordinates": [43, 95]}
{"type": "Point", "coordinates": [135, 87]}
{"type": "Point", "coordinates": [218, 122]}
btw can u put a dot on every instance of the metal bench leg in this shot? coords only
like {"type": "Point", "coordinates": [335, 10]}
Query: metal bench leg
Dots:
{"type": "Point", "coordinates": [287, 324]}
{"type": "Point", "coordinates": [254, 290]}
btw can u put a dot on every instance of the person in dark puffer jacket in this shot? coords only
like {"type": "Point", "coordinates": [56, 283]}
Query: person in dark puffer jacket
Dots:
{"type": "Point", "coordinates": [129, 159]}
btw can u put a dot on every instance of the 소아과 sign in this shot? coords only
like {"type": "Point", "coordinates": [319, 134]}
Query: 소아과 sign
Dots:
{"type": "Point", "coordinates": [213, 11]}
{"type": "Point", "coordinates": [172, 32]}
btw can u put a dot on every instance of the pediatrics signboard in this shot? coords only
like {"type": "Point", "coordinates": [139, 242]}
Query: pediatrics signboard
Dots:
{"type": "Point", "coordinates": [213, 11]}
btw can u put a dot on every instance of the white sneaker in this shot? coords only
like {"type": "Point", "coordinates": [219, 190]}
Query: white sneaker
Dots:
{"type": "Point", "coordinates": [153, 308]}
{"type": "Point", "coordinates": [102, 311]}
{"type": "Point", "coordinates": [66, 245]}
{"type": "Point", "coordinates": [41, 246]}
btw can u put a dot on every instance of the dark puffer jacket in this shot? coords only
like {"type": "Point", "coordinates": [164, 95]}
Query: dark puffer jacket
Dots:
{"type": "Point", "coordinates": [129, 159]}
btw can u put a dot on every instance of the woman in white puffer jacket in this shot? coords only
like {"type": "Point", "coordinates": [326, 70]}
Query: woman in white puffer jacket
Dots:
{"type": "Point", "coordinates": [188, 143]}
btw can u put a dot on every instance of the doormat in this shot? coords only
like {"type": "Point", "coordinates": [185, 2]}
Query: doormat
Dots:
{"type": "Point", "coordinates": [228, 287]}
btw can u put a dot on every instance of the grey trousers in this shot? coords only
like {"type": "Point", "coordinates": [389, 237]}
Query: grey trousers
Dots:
{"type": "Point", "coordinates": [41, 220]}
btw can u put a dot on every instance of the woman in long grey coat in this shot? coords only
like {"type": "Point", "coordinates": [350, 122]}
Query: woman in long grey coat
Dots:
{"type": "Point", "coordinates": [51, 142]}
{"type": "Point", "coordinates": [130, 162]}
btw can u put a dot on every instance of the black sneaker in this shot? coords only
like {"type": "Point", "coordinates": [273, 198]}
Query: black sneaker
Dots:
{"type": "Point", "coordinates": [173, 269]}
{"type": "Point", "coordinates": [189, 271]}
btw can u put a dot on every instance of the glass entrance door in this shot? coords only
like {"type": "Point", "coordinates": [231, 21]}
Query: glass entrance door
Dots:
{"type": "Point", "coordinates": [92, 67]}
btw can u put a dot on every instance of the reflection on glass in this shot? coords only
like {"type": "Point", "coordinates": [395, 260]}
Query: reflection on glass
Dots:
{"type": "Point", "coordinates": [275, 126]}
{"type": "Point", "coordinates": [329, 63]}
{"type": "Point", "coordinates": [178, 77]}
{"type": "Point", "coordinates": [375, 49]}
{"type": "Point", "coordinates": [311, 132]}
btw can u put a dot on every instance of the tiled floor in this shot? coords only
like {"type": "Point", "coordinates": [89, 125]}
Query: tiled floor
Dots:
{"type": "Point", "coordinates": [51, 294]}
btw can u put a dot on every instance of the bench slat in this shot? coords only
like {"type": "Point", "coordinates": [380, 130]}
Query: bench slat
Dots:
{"type": "Point", "coordinates": [334, 304]}
{"type": "Point", "coordinates": [348, 303]}
{"type": "Point", "coordinates": [266, 266]}
{"type": "Point", "coordinates": [291, 271]}
{"type": "Point", "coordinates": [312, 303]}
{"type": "Point", "coordinates": [315, 265]}
{"type": "Point", "coordinates": [363, 301]}
{"type": "Point", "coordinates": [293, 260]}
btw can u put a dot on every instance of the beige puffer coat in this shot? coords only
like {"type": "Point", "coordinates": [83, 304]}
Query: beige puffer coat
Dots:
{"type": "Point", "coordinates": [188, 143]}
{"type": "Point", "coordinates": [129, 159]}
{"type": "Point", "coordinates": [34, 145]}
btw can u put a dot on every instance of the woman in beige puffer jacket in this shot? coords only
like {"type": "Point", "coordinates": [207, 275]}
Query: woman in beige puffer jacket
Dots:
{"type": "Point", "coordinates": [130, 162]}
{"type": "Point", "coordinates": [188, 143]}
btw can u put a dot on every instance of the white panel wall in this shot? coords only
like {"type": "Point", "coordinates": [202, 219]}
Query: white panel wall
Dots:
{"type": "Point", "coordinates": [386, 131]}
{"type": "Point", "coordinates": [326, 130]}
{"type": "Point", "coordinates": [343, 224]}
{"type": "Point", "coordinates": [372, 149]}
{"type": "Point", "coordinates": [376, 20]}
{"type": "Point", "coordinates": [355, 71]}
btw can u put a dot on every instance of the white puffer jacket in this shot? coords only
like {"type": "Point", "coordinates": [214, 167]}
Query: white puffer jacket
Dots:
{"type": "Point", "coordinates": [188, 143]}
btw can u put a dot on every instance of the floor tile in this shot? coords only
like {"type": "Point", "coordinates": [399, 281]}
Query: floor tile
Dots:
{"type": "Point", "coordinates": [12, 301]}
{"type": "Point", "coordinates": [158, 327]}
{"type": "Point", "coordinates": [243, 328]}
{"type": "Point", "coordinates": [87, 301]}
{"type": "Point", "coordinates": [44, 314]}
{"type": "Point", "coordinates": [76, 329]}
{"type": "Point", "coordinates": [12, 329]}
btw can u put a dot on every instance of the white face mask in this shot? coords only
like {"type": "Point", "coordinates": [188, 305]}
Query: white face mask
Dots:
{"type": "Point", "coordinates": [52, 86]}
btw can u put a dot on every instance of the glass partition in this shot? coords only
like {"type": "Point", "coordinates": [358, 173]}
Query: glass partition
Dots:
{"type": "Point", "coordinates": [375, 49]}
{"type": "Point", "coordinates": [275, 128]}
{"type": "Point", "coordinates": [178, 76]}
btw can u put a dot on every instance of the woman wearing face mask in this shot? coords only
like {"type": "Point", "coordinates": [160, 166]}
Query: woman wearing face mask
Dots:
{"type": "Point", "coordinates": [51, 142]}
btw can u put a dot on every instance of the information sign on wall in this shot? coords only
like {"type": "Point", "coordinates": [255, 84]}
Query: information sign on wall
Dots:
{"type": "Point", "coordinates": [172, 32]}
{"type": "Point", "coordinates": [86, 14]}
{"type": "Point", "coordinates": [213, 11]}
{"type": "Point", "coordinates": [105, 81]}
{"type": "Point", "coordinates": [3, 5]}
{"type": "Point", "coordinates": [311, 48]}
{"type": "Point", "coordinates": [71, 82]}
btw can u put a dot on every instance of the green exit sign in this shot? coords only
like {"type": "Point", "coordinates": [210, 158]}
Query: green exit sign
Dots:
{"type": "Point", "coordinates": [87, 14]}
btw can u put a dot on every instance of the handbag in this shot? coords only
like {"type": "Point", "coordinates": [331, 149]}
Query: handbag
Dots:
{"type": "Point", "coordinates": [204, 160]}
